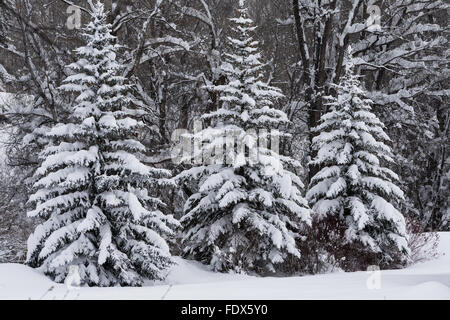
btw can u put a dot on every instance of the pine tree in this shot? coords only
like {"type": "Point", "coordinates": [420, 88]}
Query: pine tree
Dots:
{"type": "Point", "coordinates": [92, 189]}
{"type": "Point", "coordinates": [353, 193]}
{"type": "Point", "coordinates": [248, 211]}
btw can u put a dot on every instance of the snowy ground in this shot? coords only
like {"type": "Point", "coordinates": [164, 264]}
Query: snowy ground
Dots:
{"type": "Point", "coordinates": [190, 280]}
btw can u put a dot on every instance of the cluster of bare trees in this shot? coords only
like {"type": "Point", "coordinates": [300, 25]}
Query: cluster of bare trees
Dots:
{"type": "Point", "coordinates": [172, 50]}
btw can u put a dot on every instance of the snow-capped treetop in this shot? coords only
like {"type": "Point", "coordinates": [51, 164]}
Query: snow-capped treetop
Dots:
{"type": "Point", "coordinates": [96, 67]}
{"type": "Point", "coordinates": [246, 98]}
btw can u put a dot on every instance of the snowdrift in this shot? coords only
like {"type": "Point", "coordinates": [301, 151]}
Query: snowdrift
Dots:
{"type": "Point", "coordinates": [191, 280]}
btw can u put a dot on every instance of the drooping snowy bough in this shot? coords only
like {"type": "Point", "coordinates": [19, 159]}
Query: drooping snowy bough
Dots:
{"type": "Point", "coordinates": [248, 211]}
{"type": "Point", "coordinates": [92, 189]}
{"type": "Point", "coordinates": [354, 194]}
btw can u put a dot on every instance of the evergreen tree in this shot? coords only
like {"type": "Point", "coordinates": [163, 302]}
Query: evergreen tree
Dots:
{"type": "Point", "coordinates": [354, 194]}
{"type": "Point", "coordinates": [248, 210]}
{"type": "Point", "coordinates": [92, 189]}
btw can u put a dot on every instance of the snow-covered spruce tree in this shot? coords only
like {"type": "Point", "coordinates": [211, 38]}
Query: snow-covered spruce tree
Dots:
{"type": "Point", "coordinates": [92, 187]}
{"type": "Point", "coordinates": [248, 210]}
{"type": "Point", "coordinates": [353, 195]}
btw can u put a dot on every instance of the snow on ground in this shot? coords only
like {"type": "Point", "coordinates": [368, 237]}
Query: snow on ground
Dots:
{"type": "Point", "coordinates": [191, 280]}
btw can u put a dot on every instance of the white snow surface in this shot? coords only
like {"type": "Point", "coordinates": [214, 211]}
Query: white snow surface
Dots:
{"type": "Point", "coordinates": [191, 280]}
